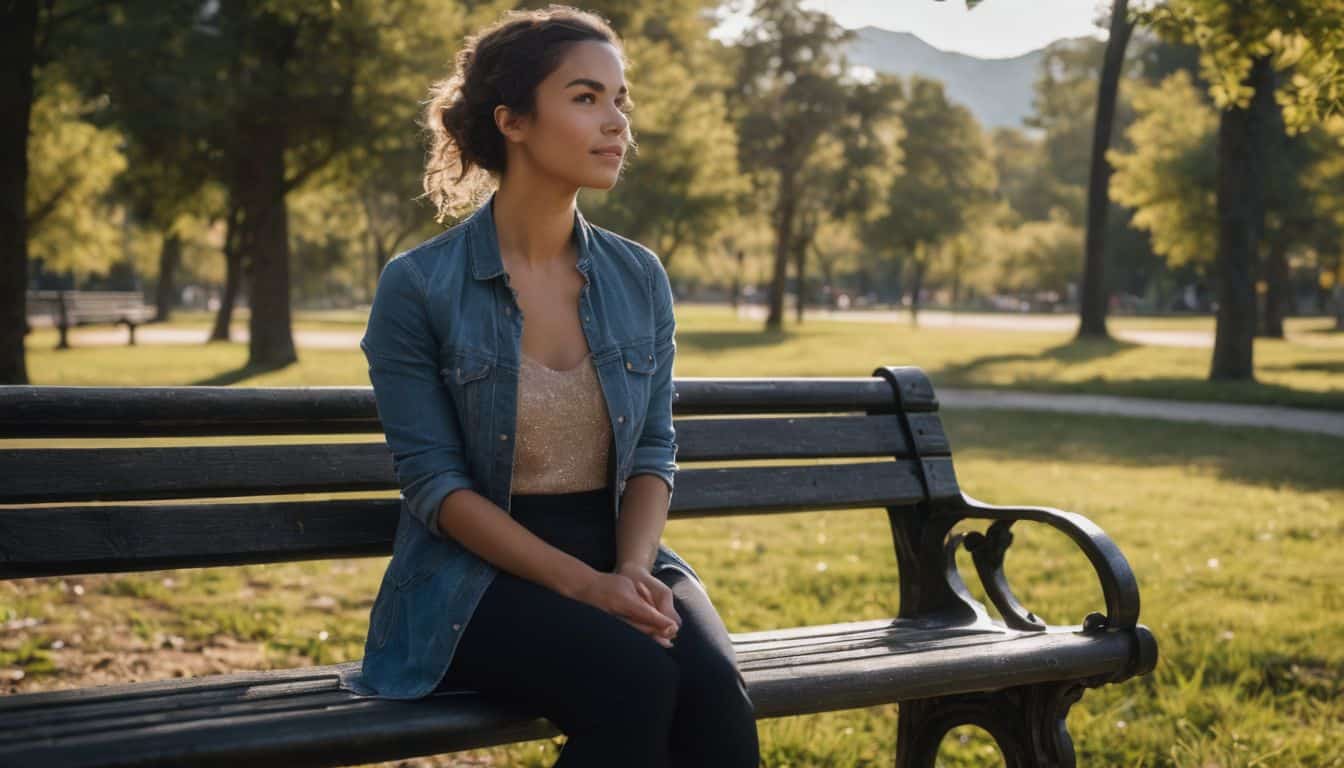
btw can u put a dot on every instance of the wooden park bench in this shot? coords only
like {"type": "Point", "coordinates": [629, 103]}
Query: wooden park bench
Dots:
{"type": "Point", "coordinates": [72, 308]}
{"type": "Point", "coordinates": [945, 657]}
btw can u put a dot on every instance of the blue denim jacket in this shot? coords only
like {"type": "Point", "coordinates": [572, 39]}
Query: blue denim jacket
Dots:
{"type": "Point", "coordinates": [443, 345]}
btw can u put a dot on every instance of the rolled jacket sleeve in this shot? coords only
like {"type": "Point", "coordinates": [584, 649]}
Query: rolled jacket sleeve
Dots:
{"type": "Point", "coordinates": [419, 419]}
{"type": "Point", "coordinates": [656, 449]}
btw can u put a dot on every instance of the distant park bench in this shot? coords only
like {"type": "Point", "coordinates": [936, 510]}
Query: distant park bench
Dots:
{"type": "Point", "coordinates": [72, 308]}
{"type": "Point", "coordinates": [944, 657]}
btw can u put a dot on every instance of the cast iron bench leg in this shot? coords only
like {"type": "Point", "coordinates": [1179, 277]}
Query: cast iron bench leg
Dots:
{"type": "Point", "coordinates": [1027, 723]}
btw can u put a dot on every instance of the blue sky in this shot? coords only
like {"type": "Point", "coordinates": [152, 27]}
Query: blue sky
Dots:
{"type": "Point", "coordinates": [995, 29]}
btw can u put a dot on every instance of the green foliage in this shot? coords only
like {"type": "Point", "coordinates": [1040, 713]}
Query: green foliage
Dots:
{"type": "Point", "coordinates": [1168, 176]}
{"type": "Point", "coordinates": [682, 183]}
{"type": "Point", "coordinates": [72, 165]}
{"type": "Point", "coordinates": [1303, 37]}
{"type": "Point", "coordinates": [948, 179]}
{"type": "Point", "coordinates": [788, 88]}
{"type": "Point", "coordinates": [1039, 256]}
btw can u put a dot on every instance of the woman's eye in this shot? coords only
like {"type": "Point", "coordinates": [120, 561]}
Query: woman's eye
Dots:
{"type": "Point", "coordinates": [586, 96]}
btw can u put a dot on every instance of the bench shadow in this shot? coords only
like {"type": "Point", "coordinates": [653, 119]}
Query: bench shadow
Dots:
{"type": "Point", "coordinates": [1251, 455]}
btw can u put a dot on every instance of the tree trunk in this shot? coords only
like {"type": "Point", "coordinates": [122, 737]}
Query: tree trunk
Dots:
{"type": "Point", "coordinates": [1339, 306]}
{"type": "Point", "coordinates": [18, 39]}
{"type": "Point", "coordinates": [233, 274]}
{"type": "Point", "coordinates": [737, 281]}
{"type": "Point", "coordinates": [919, 266]}
{"type": "Point", "coordinates": [1274, 171]}
{"type": "Point", "coordinates": [806, 231]}
{"type": "Point", "coordinates": [1276, 288]}
{"type": "Point", "coordinates": [165, 294]}
{"type": "Point", "coordinates": [1240, 223]}
{"type": "Point", "coordinates": [265, 233]}
{"type": "Point", "coordinates": [957, 259]}
{"type": "Point", "coordinates": [1092, 293]}
{"type": "Point", "coordinates": [786, 206]}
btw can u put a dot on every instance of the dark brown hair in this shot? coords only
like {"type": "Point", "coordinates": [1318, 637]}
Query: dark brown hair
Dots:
{"type": "Point", "coordinates": [500, 64]}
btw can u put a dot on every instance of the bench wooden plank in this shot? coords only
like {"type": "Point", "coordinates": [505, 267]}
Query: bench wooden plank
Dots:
{"type": "Point", "coordinates": [59, 540]}
{"type": "Point", "coordinates": [185, 472]}
{"type": "Point", "coordinates": [301, 718]}
{"type": "Point", "coordinates": [50, 411]}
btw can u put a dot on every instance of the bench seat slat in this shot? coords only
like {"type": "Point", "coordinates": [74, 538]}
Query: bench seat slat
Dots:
{"type": "Point", "coordinates": [301, 717]}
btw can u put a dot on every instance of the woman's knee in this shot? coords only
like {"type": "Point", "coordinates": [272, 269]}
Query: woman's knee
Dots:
{"type": "Point", "coordinates": [632, 686]}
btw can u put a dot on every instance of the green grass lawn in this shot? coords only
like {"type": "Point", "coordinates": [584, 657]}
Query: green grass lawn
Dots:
{"type": "Point", "coordinates": [1230, 531]}
{"type": "Point", "coordinates": [1306, 370]}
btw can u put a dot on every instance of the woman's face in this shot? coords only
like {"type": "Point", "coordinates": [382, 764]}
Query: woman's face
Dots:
{"type": "Point", "coordinates": [579, 131]}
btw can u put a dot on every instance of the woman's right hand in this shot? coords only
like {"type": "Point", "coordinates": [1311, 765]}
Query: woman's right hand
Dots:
{"type": "Point", "coordinates": [620, 596]}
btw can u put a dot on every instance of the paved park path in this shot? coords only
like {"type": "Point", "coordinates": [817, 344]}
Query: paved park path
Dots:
{"type": "Point", "coordinates": [1226, 414]}
{"type": "Point", "coordinates": [1006, 321]}
{"type": "Point", "coordinates": [1273, 416]}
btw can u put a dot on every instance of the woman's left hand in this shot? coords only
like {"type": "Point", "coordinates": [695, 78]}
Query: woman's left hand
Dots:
{"type": "Point", "coordinates": [658, 594]}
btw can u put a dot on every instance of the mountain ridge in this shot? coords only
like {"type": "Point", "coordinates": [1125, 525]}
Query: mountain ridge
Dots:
{"type": "Point", "coordinates": [997, 91]}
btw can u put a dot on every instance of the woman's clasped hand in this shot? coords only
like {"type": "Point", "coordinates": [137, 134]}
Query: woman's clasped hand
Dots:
{"type": "Point", "coordinates": [636, 596]}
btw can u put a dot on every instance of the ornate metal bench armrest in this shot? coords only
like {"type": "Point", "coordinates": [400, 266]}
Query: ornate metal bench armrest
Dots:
{"type": "Point", "coordinates": [1118, 585]}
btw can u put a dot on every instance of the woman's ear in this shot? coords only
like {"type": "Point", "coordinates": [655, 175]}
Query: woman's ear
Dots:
{"type": "Point", "coordinates": [513, 126]}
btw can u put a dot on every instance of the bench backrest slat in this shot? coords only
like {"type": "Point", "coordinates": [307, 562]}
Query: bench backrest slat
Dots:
{"type": "Point", "coordinates": [837, 444]}
{"type": "Point", "coordinates": [45, 541]}
{"type": "Point", "coordinates": [41, 411]}
{"type": "Point", "coordinates": [38, 475]}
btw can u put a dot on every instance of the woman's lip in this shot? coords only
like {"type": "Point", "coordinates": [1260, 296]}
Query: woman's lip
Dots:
{"type": "Point", "coordinates": [609, 155]}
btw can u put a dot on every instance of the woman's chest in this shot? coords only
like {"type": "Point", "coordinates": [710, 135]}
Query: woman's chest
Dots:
{"type": "Point", "coordinates": [480, 327]}
{"type": "Point", "coordinates": [480, 322]}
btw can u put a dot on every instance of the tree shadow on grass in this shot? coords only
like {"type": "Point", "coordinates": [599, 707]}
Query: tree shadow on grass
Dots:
{"type": "Point", "coordinates": [1264, 457]}
{"type": "Point", "coordinates": [1324, 331]}
{"type": "Point", "coordinates": [1186, 389]}
{"type": "Point", "coordinates": [1317, 366]}
{"type": "Point", "coordinates": [719, 341]}
{"type": "Point", "coordinates": [1072, 352]}
{"type": "Point", "coordinates": [229, 378]}
{"type": "Point", "coordinates": [1169, 388]}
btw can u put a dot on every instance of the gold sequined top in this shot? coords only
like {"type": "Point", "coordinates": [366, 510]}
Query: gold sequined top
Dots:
{"type": "Point", "coordinates": [564, 431]}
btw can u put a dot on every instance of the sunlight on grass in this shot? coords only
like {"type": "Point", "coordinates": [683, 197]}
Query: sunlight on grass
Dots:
{"type": "Point", "coordinates": [1233, 532]}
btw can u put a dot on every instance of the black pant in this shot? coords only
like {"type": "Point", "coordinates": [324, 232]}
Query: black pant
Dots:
{"type": "Point", "coordinates": [620, 698]}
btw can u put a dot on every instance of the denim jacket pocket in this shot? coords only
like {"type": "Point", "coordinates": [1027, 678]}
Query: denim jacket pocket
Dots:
{"type": "Point", "coordinates": [639, 358]}
{"type": "Point", "coordinates": [465, 372]}
{"type": "Point", "coordinates": [639, 363]}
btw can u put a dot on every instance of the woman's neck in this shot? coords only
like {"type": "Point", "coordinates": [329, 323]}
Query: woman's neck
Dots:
{"type": "Point", "coordinates": [534, 224]}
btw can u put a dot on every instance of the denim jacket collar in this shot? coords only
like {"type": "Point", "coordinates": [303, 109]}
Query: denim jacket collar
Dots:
{"type": "Point", "coordinates": [486, 262]}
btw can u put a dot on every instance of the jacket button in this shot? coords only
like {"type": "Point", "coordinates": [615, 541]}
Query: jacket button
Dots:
{"type": "Point", "coordinates": [629, 364]}
{"type": "Point", "coordinates": [508, 310]}
{"type": "Point", "coordinates": [621, 418]}
{"type": "Point", "coordinates": [650, 357]}
{"type": "Point", "coordinates": [456, 627]}
{"type": "Point", "coordinates": [503, 436]}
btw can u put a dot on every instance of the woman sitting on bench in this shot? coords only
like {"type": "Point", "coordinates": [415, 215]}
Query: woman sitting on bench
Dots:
{"type": "Point", "coordinates": [537, 460]}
